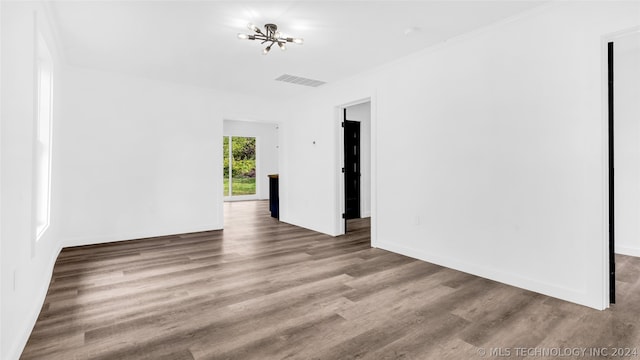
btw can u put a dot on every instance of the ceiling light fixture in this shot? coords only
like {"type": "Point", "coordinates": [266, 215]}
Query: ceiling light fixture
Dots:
{"type": "Point", "coordinates": [270, 35]}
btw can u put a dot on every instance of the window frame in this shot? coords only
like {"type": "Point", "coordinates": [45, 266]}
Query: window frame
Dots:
{"type": "Point", "coordinates": [43, 135]}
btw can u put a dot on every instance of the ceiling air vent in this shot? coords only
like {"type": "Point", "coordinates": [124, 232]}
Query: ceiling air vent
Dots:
{"type": "Point", "coordinates": [300, 80]}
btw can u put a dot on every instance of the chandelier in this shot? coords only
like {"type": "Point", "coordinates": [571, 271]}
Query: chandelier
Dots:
{"type": "Point", "coordinates": [270, 35]}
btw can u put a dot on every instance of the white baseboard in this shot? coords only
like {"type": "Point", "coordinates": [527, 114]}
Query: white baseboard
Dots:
{"type": "Point", "coordinates": [102, 239]}
{"type": "Point", "coordinates": [571, 295]}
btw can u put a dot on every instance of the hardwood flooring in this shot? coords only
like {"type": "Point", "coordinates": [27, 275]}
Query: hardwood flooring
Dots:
{"type": "Point", "coordinates": [262, 289]}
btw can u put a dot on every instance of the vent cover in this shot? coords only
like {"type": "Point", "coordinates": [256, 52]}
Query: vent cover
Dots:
{"type": "Point", "coordinates": [300, 80]}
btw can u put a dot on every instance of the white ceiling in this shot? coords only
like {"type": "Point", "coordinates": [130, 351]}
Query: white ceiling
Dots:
{"type": "Point", "coordinates": [196, 42]}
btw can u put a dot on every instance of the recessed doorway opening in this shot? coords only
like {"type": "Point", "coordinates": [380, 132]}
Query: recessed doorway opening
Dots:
{"type": "Point", "coordinates": [249, 155]}
{"type": "Point", "coordinates": [355, 161]}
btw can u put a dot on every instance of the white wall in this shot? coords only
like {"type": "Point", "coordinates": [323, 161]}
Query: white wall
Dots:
{"type": "Point", "coordinates": [505, 132]}
{"type": "Point", "coordinates": [138, 159]}
{"type": "Point", "coordinates": [362, 113]}
{"type": "Point", "coordinates": [132, 158]}
{"type": "Point", "coordinates": [627, 143]}
{"type": "Point", "coordinates": [142, 158]}
{"type": "Point", "coordinates": [266, 135]}
{"type": "Point", "coordinates": [25, 265]}
{"type": "Point", "coordinates": [310, 163]}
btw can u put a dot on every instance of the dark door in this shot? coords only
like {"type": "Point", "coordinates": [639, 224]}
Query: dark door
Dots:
{"type": "Point", "coordinates": [351, 168]}
{"type": "Point", "coordinates": [612, 259]}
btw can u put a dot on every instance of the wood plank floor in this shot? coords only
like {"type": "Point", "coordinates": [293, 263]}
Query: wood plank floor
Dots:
{"type": "Point", "coordinates": [262, 289]}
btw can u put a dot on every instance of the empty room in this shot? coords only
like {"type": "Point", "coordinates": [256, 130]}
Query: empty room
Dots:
{"type": "Point", "coordinates": [319, 179]}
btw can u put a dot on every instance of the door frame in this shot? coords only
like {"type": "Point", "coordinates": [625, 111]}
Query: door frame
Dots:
{"type": "Point", "coordinates": [339, 204]}
{"type": "Point", "coordinates": [608, 99]}
{"type": "Point", "coordinates": [610, 167]}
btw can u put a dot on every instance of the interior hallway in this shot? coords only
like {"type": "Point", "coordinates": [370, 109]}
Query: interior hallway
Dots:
{"type": "Point", "coordinates": [263, 289]}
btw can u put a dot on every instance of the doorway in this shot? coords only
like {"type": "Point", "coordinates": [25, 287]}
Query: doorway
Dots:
{"type": "Point", "coordinates": [355, 162]}
{"type": "Point", "coordinates": [249, 154]}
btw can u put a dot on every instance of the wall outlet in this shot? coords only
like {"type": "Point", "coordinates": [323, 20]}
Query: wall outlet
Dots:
{"type": "Point", "coordinates": [14, 279]}
{"type": "Point", "coordinates": [416, 221]}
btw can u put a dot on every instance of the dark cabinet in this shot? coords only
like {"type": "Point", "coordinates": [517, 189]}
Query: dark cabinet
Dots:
{"type": "Point", "coordinates": [274, 206]}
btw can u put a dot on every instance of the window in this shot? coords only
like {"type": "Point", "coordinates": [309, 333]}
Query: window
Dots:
{"type": "Point", "coordinates": [42, 150]}
{"type": "Point", "coordinates": [239, 165]}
